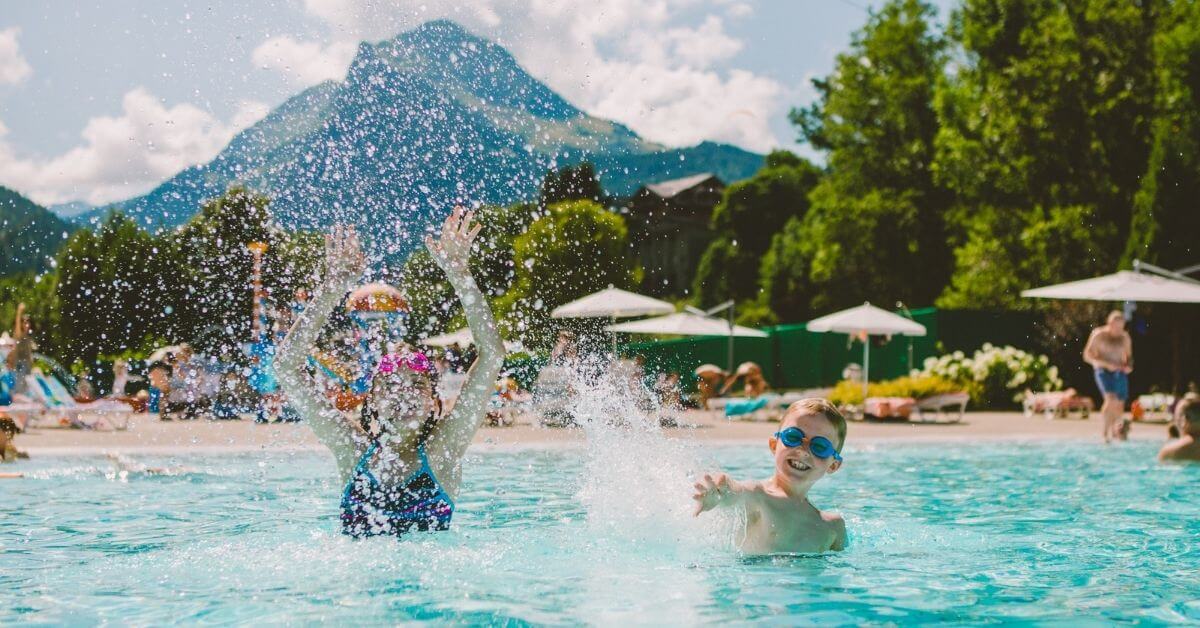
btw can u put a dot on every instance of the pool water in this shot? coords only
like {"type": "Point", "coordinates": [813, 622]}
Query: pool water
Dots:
{"type": "Point", "coordinates": [964, 533]}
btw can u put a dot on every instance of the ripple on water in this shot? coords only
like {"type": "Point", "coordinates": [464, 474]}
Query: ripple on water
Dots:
{"type": "Point", "coordinates": [967, 534]}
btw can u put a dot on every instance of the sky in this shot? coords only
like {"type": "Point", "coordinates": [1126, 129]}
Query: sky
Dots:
{"type": "Point", "coordinates": [101, 101]}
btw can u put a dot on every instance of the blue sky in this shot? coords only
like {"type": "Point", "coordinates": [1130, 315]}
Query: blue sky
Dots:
{"type": "Point", "coordinates": [101, 101]}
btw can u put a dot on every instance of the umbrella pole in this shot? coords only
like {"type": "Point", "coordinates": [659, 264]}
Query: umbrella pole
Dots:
{"type": "Point", "coordinates": [613, 321]}
{"type": "Point", "coordinates": [729, 345]}
{"type": "Point", "coordinates": [866, 365]}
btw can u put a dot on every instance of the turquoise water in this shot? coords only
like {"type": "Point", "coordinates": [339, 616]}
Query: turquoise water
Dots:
{"type": "Point", "coordinates": [959, 533]}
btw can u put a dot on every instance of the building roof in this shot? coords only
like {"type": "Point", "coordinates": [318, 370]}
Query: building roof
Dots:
{"type": "Point", "coordinates": [668, 189]}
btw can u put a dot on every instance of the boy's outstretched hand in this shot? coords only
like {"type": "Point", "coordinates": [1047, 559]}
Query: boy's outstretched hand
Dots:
{"type": "Point", "coordinates": [710, 491]}
{"type": "Point", "coordinates": [453, 249]}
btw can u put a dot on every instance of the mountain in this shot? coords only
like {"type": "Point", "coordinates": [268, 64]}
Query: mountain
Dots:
{"type": "Point", "coordinates": [72, 209]}
{"type": "Point", "coordinates": [431, 117]}
{"type": "Point", "coordinates": [29, 233]}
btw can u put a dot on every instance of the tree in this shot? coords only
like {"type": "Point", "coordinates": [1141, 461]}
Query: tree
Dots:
{"type": "Point", "coordinates": [1049, 116]}
{"type": "Point", "coordinates": [576, 248]}
{"type": "Point", "coordinates": [116, 291]}
{"type": "Point", "coordinates": [1165, 219]}
{"type": "Point", "coordinates": [749, 214]}
{"type": "Point", "coordinates": [216, 265]}
{"type": "Point", "coordinates": [571, 183]}
{"type": "Point", "coordinates": [876, 229]}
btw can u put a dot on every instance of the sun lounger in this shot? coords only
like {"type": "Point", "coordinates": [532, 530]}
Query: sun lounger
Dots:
{"type": "Point", "coordinates": [1153, 408]}
{"type": "Point", "coordinates": [61, 410]}
{"type": "Point", "coordinates": [889, 408]}
{"type": "Point", "coordinates": [933, 409]}
{"type": "Point", "coordinates": [1057, 404]}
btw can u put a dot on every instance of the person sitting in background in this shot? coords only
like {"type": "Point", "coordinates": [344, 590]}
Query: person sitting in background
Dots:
{"type": "Point", "coordinates": [709, 378]}
{"type": "Point", "coordinates": [754, 384]}
{"type": "Point", "coordinates": [120, 370]}
{"type": "Point", "coordinates": [9, 451]}
{"type": "Point", "coordinates": [1187, 420]}
{"type": "Point", "coordinates": [159, 375]}
{"type": "Point", "coordinates": [20, 358]}
{"type": "Point", "coordinates": [756, 392]}
{"type": "Point", "coordinates": [84, 390]}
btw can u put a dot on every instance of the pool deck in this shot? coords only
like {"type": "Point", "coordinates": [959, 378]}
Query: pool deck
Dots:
{"type": "Point", "coordinates": [147, 434]}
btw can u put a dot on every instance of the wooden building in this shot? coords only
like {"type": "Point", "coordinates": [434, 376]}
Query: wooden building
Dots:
{"type": "Point", "coordinates": [669, 228]}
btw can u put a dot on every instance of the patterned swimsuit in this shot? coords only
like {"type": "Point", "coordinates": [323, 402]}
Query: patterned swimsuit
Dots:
{"type": "Point", "coordinates": [419, 504]}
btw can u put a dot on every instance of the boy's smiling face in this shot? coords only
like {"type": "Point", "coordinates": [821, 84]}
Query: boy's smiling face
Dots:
{"type": "Point", "coordinates": [797, 467]}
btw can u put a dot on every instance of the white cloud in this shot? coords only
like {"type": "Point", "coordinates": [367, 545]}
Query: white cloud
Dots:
{"type": "Point", "coordinates": [304, 63]}
{"type": "Point", "coordinates": [634, 61]}
{"type": "Point", "coordinates": [124, 155]}
{"type": "Point", "coordinates": [13, 67]}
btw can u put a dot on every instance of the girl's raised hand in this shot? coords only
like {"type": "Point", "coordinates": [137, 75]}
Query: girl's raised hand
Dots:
{"type": "Point", "coordinates": [344, 259]}
{"type": "Point", "coordinates": [452, 249]}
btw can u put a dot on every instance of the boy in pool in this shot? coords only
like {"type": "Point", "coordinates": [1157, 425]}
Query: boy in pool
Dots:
{"type": "Point", "coordinates": [1187, 421]}
{"type": "Point", "coordinates": [779, 517]}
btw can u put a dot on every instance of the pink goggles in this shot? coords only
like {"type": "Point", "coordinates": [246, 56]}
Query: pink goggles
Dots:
{"type": "Point", "coordinates": [414, 361]}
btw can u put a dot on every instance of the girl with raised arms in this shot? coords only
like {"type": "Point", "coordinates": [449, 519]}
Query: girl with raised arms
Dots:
{"type": "Point", "coordinates": [399, 456]}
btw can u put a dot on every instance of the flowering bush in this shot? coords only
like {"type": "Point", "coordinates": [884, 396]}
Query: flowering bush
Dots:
{"type": "Point", "coordinates": [995, 376]}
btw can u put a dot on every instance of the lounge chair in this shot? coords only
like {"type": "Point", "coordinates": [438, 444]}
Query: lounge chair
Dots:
{"type": "Point", "coordinates": [61, 410]}
{"type": "Point", "coordinates": [1153, 408]}
{"type": "Point", "coordinates": [933, 409]}
{"type": "Point", "coordinates": [1058, 404]}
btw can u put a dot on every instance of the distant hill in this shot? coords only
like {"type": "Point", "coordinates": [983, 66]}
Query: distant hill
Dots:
{"type": "Point", "coordinates": [72, 209]}
{"type": "Point", "coordinates": [29, 233]}
{"type": "Point", "coordinates": [431, 117]}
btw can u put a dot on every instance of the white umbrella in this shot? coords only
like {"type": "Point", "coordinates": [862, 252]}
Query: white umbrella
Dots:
{"type": "Point", "coordinates": [685, 324]}
{"type": "Point", "coordinates": [866, 320]}
{"type": "Point", "coordinates": [612, 303]}
{"type": "Point", "coordinates": [161, 353]}
{"type": "Point", "coordinates": [1122, 286]}
{"type": "Point", "coordinates": [462, 338]}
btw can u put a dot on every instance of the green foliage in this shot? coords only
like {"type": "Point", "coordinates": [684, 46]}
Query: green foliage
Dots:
{"type": "Point", "coordinates": [571, 183]}
{"type": "Point", "coordinates": [1050, 111]}
{"type": "Point", "coordinates": [576, 248]}
{"type": "Point", "coordinates": [1165, 220]}
{"type": "Point", "coordinates": [117, 288]}
{"type": "Point", "coordinates": [917, 386]}
{"type": "Point", "coordinates": [876, 228]}
{"type": "Point", "coordinates": [29, 233]}
{"type": "Point", "coordinates": [996, 377]}
{"type": "Point", "coordinates": [749, 214]}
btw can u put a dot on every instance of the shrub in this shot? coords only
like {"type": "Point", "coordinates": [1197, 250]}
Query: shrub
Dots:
{"type": "Point", "coordinates": [996, 377]}
{"type": "Point", "coordinates": [915, 386]}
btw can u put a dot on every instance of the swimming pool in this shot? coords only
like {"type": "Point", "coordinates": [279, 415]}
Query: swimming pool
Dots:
{"type": "Point", "coordinates": [949, 532]}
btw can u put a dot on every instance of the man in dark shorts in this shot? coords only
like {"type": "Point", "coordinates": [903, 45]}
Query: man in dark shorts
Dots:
{"type": "Point", "coordinates": [1110, 352]}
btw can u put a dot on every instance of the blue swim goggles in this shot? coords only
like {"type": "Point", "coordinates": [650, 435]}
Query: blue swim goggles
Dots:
{"type": "Point", "coordinates": [819, 446]}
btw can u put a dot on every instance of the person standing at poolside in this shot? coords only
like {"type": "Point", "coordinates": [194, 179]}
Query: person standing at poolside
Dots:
{"type": "Point", "coordinates": [1109, 350]}
{"type": "Point", "coordinates": [400, 456]}
{"type": "Point", "coordinates": [20, 359]}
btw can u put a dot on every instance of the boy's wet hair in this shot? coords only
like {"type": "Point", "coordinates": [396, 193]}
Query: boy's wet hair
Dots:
{"type": "Point", "coordinates": [8, 426]}
{"type": "Point", "coordinates": [821, 407]}
{"type": "Point", "coordinates": [1189, 409]}
{"type": "Point", "coordinates": [161, 365]}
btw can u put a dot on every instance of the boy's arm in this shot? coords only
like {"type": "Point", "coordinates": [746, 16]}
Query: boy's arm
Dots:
{"type": "Point", "coordinates": [839, 533]}
{"type": "Point", "coordinates": [718, 490]}
{"type": "Point", "coordinates": [451, 251]}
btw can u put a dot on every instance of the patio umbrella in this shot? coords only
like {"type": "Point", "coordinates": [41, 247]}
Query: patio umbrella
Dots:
{"type": "Point", "coordinates": [686, 324]}
{"type": "Point", "coordinates": [461, 338]}
{"type": "Point", "coordinates": [864, 321]}
{"type": "Point", "coordinates": [612, 303]}
{"type": "Point", "coordinates": [1122, 286]}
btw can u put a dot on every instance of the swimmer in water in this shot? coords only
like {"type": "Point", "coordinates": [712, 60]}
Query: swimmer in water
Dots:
{"type": "Point", "coordinates": [399, 457]}
{"type": "Point", "coordinates": [1185, 447]}
{"type": "Point", "coordinates": [778, 515]}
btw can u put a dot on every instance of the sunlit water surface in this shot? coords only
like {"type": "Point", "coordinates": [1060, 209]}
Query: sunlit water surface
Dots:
{"type": "Point", "coordinates": [960, 533]}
